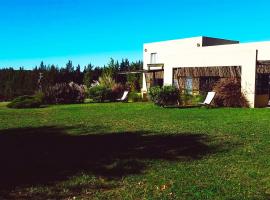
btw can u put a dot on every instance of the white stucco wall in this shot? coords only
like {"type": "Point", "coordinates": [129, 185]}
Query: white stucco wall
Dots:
{"type": "Point", "coordinates": [164, 48]}
{"type": "Point", "coordinates": [186, 53]}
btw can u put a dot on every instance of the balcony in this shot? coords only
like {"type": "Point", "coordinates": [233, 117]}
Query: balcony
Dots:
{"type": "Point", "coordinates": [155, 67]}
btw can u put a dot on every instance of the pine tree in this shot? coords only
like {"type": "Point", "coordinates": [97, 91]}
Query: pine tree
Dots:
{"type": "Point", "coordinates": [88, 75]}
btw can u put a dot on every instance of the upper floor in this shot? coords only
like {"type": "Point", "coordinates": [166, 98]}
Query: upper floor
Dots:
{"type": "Point", "coordinates": [200, 51]}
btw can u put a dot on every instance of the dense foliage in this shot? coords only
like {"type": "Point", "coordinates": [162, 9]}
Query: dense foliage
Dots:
{"type": "Point", "coordinates": [135, 97]}
{"type": "Point", "coordinates": [25, 101]}
{"type": "Point", "coordinates": [117, 91]}
{"type": "Point", "coordinates": [191, 100]}
{"type": "Point", "coordinates": [228, 94]}
{"type": "Point", "coordinates": [165, 96]}
{"type": "Point", "coordinates": [14, 83]}
{"type": "Point", "coordinates": [100, 93]}
{"type": "Point", "coordinates": [63, 93]}
{"type": "Point", "coordinates": [154, 93]}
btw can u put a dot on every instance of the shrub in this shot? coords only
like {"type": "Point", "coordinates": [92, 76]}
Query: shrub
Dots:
{"type": "Point", "coordinates": [134, 97]}
{"type": "Point", "coordinates": [25, 101]}
{"type": "Point", "coordinates": [40, 96]}
{"type": "Point", "coordinates": [107, 81]}
{"type": "Point", "coordinates": [186, 99]}
{"type": "Point", "coordinates": [190, 100]}
{"type": "Point", "coordinates": [100, 93]}
{"type": "Point", "coordinates": [63, 93]}
{"type": "Point", "coordinates": [228, 94]}
{"type": "Point", "coordinates": [197, 99]}
{"type": "Point", "coordinates": [154, 93]}
{"type": "Point", "coordinates": [165, 96]}
{"type": "Point", "coordinates": [134, 81]}
{"type": "Point", "coordinates": [117, 91]}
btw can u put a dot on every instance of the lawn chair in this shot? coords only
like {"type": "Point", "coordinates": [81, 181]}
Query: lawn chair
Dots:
{"type": "Point", "coordinates": [209, 98]}
{"type": "Point", "coordinates": [124, 97]}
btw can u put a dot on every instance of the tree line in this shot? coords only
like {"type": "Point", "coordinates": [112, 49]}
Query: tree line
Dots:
{"type": "Point", "coordinates": [14, 83]}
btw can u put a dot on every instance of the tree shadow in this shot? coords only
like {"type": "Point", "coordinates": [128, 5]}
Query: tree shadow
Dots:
{"type": "Point", "coordinates": [31, 156]}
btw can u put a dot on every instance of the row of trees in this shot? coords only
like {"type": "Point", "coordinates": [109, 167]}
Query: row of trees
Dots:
{"type": "Point", "coordinates": [15, 83]}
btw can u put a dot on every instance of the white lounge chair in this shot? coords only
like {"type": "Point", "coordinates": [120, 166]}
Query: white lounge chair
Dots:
{"type": "Point", "coordinates": [124, 97]}
{"type": "Point", "coordinates": [209, 98]}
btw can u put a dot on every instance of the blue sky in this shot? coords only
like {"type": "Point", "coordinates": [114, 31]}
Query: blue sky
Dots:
{"type": "Point", "coordinates": [95, 30]}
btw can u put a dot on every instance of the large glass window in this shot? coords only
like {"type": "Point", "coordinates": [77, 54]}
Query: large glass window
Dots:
{"type": "Point", "coordinates": [263, 84]}
{"type": "Point", "coordinates": [154, 78]}
{"type": "Point", "coordinates": [207, 84]}
{"type": "Point", "coordinates": [189, 85]}
{"type": "Point", "coordinates": [176, 83]}
{"type": "Point", "coordinates": [153, 59]}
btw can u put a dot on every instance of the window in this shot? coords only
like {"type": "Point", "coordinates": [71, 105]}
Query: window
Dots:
{"type": "Point", "coordinates": [207, 83]}
{"type": "Point", "coordinates": [262, 84]}
{"type": "Point", "coordinates": [158, 82]}
{"type": "Point", "coordinates": [153, 59]}
{"type": "Point", "coordinates": [189, 85]}
{"type": "Point", "coordinates": [176, 83]}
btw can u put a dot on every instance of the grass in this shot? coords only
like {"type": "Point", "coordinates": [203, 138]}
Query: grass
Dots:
{"type": "Point", "coordinates": [134, 151]}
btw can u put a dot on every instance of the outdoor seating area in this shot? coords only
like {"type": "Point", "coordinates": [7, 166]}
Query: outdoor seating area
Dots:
{"type": "Point", "coordinates": [124, 97]}
{"type": "Point", "coordinates": [209, 98]}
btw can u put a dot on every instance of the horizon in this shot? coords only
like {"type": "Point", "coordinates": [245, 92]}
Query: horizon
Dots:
{"type": "Point", "coordinates": [55, 31]}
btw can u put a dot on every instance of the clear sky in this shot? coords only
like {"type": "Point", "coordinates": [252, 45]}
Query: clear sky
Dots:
{"type": "Point", "coordinates": [95, 30]}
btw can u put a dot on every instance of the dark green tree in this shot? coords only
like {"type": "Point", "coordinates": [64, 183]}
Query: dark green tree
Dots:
{"type": "Point", "coordinates": [88, 75]}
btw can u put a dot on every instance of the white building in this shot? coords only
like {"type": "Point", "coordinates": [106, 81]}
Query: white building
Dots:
{"type": "Point", "coordinates": [181, 61]}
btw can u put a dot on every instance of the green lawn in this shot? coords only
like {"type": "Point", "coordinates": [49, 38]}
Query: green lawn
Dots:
{"type": "Point", "coordinates": [134, 151]}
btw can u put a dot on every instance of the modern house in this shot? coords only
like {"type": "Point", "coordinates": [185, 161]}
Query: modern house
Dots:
{"type": "Point", "coordinates": [195, 64]}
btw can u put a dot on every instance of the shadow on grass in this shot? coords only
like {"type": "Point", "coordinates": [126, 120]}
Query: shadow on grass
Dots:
{"type": "Point", "coordinates": [45, 155]}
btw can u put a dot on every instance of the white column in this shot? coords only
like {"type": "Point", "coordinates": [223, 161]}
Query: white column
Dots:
{"type": "Point", "coordinates": [144, 86]}
{"type": "Point", "coordinates": [248, 77]}
{"type": "Point", "coordinates": [168, 75]}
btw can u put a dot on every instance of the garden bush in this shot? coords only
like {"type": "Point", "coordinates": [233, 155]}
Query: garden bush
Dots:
{"type": "Point", "coordinates": [191, 100]}
{"type": "Point", "coordinates": [134, 81]}
{"type": "Point", "coordinates": [100, 93]}
{"type": "Point", "coordinates": [228, 94]}
{"type": "Point", "coordinates": [107, 80]}
{"type": "Point", "coordinates": [198, 99]}
{"type": "Point", "coordinates": [134, 97]}
{"type": "Point", "coordinates": [154, 93]}
{"type": "Point", "coordinates": [165, 96]}
{"type": "Point", "coordinates": [63, 93]}
{"type": "Point", "coordinates": [40, 96]}
{"type": "Point", "coordinates": [186, 99]}
{"type": "Point", "coordinates": [26, 101]}
{"type": "Point", "coordinates": [117, 91]}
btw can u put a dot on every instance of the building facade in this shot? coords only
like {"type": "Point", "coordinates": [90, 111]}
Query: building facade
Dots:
{"type": "Point", "coordinates": [195, 64]}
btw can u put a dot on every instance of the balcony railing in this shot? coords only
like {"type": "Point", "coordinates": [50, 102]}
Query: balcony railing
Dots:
{"type": "Point", "coordinates": [158, 66]}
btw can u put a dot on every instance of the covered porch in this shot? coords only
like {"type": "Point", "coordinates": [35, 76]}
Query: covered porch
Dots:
{"type": "Point", "coordinates": [262, 98]}
{"type": "Point", "coordinates": [154, 75]}
{"type": "Point", "coordinates": [200, 80]}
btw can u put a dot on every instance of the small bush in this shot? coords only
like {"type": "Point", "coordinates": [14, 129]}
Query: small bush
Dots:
{"type": "Point", "coordinates": [191, 100]}
{"type": "Point", "coordinates": [134, 81]}
{"type": "Point", "coordinates": [186, 99]}
{"type": "Point", "coordinates": [25, 102]}
{"type": "Point", "coordinates": [63, 93]}
{"type": "Point", "coordinates": [197, 99]}
{"type": "Point", "coordinates": [100, 93]}
{"type": "Point", "coordinates": [40, 96]}
{"type": "Point", "coordinates": [154, 93]}
{"type": "Point", "coordinates": [107, 80]}
{"type": "Point", "coordinates": [228, 94]}
{"type": "Point", "coordinates": [134, 97]}
{"type": "Point", "coordinates": [117, 91]}
{"type": "Point", "coordinates": [165, 96]}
